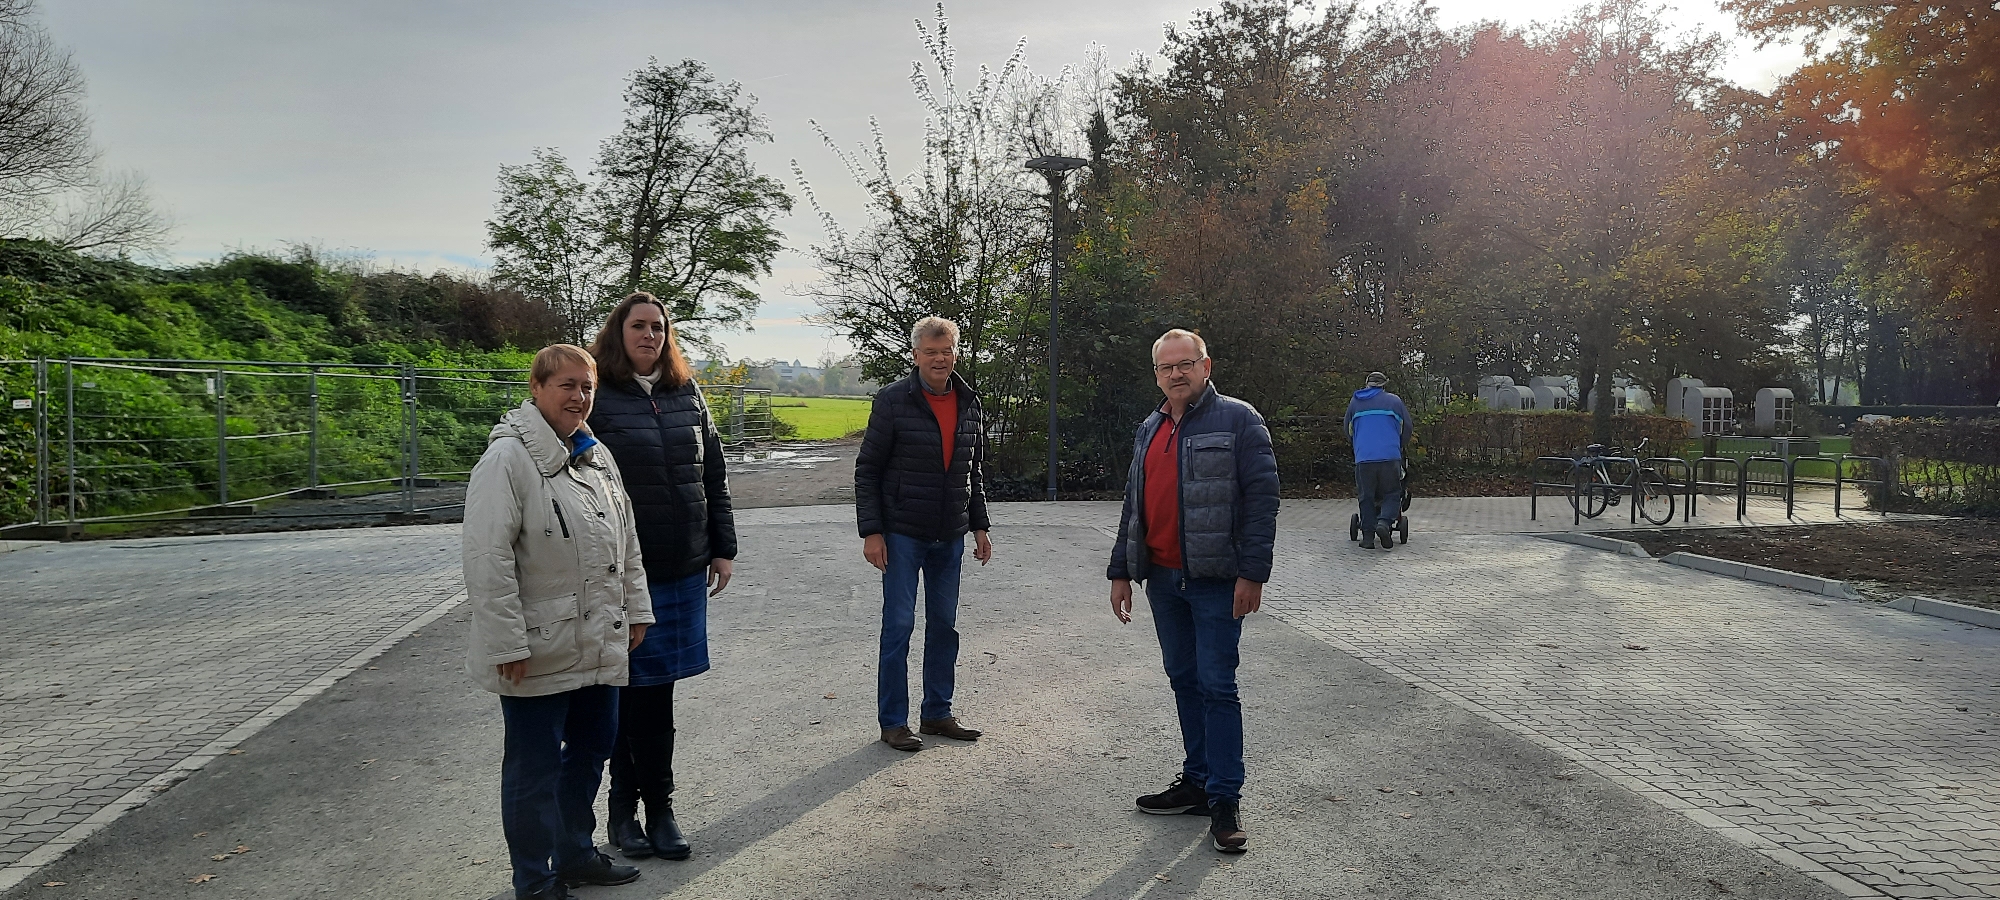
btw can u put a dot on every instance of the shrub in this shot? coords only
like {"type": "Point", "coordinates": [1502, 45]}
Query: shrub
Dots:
{"type": "Point", "coordinates": [1948, 466]}
{"type": "Point", "coordinates": [1517, 438]}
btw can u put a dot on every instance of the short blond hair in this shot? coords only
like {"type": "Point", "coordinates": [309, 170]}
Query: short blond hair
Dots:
{"type": "Point", "coordinates": [1200, 346]}
{"type": "Point", "coordinates": [933, 326]}
{"type": "Point", "coordinates": [557, 357]}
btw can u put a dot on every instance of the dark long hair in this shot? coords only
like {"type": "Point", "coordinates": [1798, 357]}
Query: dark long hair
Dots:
{"type": "Point", "coordinates": [613, 366]}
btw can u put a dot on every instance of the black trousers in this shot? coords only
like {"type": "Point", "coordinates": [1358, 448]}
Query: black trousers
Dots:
{"type": "Point", "coordinates": [642, 759]}
{"type": "Point", "coordinates": [1379, 488]}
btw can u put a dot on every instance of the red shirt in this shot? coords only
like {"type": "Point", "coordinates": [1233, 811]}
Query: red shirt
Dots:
{"type": "Point", "coordinates": [1163, 496]}
{"type": "Point", "coordinates": [945, 407]}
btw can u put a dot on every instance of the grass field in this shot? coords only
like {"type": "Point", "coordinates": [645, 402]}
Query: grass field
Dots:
{"type": "Point", "coordinates": [822, 418]}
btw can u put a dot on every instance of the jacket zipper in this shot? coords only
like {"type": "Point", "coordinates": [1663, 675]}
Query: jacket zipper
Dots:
{"type": "Point", "coordinates": [1180, 488]}
{"type": "Point", "coordinates": [559, 517]}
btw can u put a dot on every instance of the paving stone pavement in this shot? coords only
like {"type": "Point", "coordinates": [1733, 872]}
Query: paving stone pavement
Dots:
{"type": "Point", "coordinates": [1840, 737]}
{"type": "Point", "coordinates": [123, 659]}
{"type": "Point", "coordinates": [1857, 743]}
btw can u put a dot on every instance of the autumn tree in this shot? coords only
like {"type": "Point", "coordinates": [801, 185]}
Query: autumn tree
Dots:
{"type": "Point", "coordinates": [1899, 100]}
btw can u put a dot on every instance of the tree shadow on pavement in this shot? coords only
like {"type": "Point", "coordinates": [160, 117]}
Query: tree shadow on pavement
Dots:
{"type": "Point", "coordinates": [722, 840]}
{"type": "Point", "coordinates": [1177, 853]}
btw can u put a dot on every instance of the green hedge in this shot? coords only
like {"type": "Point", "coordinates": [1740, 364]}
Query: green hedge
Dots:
{"type": "Point", "coordinates": [1944, 466]}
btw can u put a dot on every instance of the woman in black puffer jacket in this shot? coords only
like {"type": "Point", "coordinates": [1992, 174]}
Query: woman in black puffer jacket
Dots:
{"type": "Point", "coordinates": [651, 415]}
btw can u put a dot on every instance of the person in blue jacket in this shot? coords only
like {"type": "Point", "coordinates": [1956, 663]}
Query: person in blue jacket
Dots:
{"type": "Point", "coordinates": [1379, 424]}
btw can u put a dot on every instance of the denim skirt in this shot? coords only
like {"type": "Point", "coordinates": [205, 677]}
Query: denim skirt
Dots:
{"type": "Point", "coordinates": [675, 646]}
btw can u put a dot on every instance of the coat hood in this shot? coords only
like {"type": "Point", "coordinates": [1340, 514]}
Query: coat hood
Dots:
{"type": "Point", "coordinates": [526, 424]}
{"type": "Point", "coordinates": [1367, 393]}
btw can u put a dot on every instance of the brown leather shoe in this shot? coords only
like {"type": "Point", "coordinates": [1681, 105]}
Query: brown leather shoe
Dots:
{"type": "Point", "coordinates": [900, 738]}
{"type": "Point", "coordinates": [951, 729]}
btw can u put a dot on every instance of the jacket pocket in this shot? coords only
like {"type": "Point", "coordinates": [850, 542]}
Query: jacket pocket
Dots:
{"type": "Point", "coordinates": [552, 635]}
{"type": "Point", "coordinates": [1212, 455]}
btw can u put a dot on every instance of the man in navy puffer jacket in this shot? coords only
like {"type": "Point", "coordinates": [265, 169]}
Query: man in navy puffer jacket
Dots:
{"type": "Point", "coordinates": [1198, 528]}
{"type": "Point", "coordinates": [1378, 423]}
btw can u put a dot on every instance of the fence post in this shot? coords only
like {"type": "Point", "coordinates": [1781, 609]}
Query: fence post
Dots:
{"type": "Point", "coordinates": [41, 440]}
{"type": "Point", "coordinates": [69, 433]}
{"type": "Point", "coordinates": [737, 415]}
{"type": "Point", "coordinates": [312, 427]}
{"type": "Point", "coordinates": [221, 439]}
{"type": "Point", "coordinates": [409, 439]}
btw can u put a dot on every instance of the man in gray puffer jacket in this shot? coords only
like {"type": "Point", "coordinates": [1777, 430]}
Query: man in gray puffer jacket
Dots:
{"type": "Point", "coordinates": [1200, 519]}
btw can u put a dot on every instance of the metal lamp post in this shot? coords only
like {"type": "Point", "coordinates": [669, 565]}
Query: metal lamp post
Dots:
{"type": "Point", "coordinates": [1056, 169]}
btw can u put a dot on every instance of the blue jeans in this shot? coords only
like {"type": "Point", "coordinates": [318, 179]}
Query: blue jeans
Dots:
{"type": "Point", "coordinates": [939, 563]}
{"type": "Point", "coordinates": [1199, 631]}
{"type": "Point", "coordinates": [1380, 487]}
{"type": "Point", "coordinates": [556, 746]}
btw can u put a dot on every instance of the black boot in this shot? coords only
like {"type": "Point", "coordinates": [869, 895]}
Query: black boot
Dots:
{"type": "Point", "coordinates": [622, 814]}
{"type": "Point", "coordinates": [630, 839]}
{"type": "Point", "coordinates": [665, 833]}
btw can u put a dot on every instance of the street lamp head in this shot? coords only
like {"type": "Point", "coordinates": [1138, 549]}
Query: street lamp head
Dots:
{"type": "Point", "coordinates": [1056, 165]}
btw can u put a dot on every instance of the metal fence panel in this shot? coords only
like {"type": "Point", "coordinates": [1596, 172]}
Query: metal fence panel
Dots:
{"type": "Point", "coordinates": [23, 486]}
{"type": "Point", "coordinates": [743, 415]}
{"type": "Point", "coordinates": [94, 440]}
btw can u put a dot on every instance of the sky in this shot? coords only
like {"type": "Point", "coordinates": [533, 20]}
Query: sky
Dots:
{"type": "Point", "coordinates": [377, 127]}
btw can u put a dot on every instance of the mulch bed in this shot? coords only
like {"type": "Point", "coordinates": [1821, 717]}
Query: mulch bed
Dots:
{"type": "Point", "coordinates": [1949, 559]}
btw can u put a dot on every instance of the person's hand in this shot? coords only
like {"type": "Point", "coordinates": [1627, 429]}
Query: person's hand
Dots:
{"type": "Point", "coordinates": [1249, 596]}
{"type": "Point", "coordinates": [638, 634]}
{"type": "Point", "coordinates": [719, 571]}
{"type": "Point", "coordinates": [513, 671]}
{"type": "Point", "coordinates": [875, 551]}
{"type": "Point", "coordinates": [1121, 599]}
{"type": "Point", "coordinates": [982, 549]}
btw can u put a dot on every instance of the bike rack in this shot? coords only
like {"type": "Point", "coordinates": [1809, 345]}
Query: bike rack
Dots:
{"type": "Point", "coordinates": [1840, 475]}
{"type": "Point", "coordinates": [1688, 509]}
{"type": "Point", "coordinates": [1792, 477]}
{"type": "Point", "coordinates": [1534, 486]}
{"type": "Point", "coordinates": [1743, 483]}
{"type": "Point", "coordinates": [1734, 484]}
{"type": "Point", "coordinates": [1632, 488]}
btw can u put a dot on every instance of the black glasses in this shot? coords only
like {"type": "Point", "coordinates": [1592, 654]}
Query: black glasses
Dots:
{"type": "Point", "coordinates": [1177, 368]}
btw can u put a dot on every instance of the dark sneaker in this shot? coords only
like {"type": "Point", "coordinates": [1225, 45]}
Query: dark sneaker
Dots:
{"type": "Point", "coordinates": [600, 870]}
{"type": "Point", "coordinates": [1224, 829]}
{"type": "Point", "coordinates": [557, 891]}
{"type": "Point", "coordinates": [950, 728]}
{"type": "Point", "coordinates": [1367, 540]}
{"type": "Point", "coordinates": [1183, 797]}
{"type": "Point", "coordinates": [1388, 536]}
{"type": "Point", "coordinates": [900, 738]}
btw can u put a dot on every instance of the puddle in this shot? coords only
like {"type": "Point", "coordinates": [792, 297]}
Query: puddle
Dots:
{"type": "Point", "coordinates": [780, 458]}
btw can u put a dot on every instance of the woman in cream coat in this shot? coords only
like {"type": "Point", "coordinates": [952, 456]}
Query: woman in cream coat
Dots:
{"type": "Point", "coordinates": [558, 600]}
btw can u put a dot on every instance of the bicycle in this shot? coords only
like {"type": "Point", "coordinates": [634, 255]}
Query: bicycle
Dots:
{"type": "Point", "coordinates": [1593, 490]}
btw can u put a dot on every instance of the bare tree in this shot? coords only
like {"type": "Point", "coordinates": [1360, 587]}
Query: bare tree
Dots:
{"type": "Point", "coordinates": [111, 215]}
{"type": "Point", "coordinates": [44, 132]}
{"type": "Point", "coordinates": [50, 186]}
